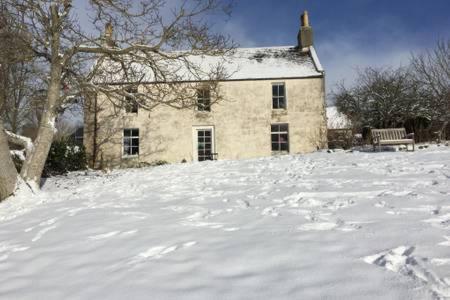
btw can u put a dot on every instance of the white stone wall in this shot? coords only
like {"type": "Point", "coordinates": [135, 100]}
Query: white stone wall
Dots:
{"type": "Point", "coordinates": [241, 124]}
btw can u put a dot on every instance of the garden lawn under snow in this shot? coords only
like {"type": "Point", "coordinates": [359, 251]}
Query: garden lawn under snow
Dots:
{"type": "Point", "coordinates": [318, 226]}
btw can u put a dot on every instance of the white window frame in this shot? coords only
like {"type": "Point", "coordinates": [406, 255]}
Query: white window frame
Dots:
{"type": "Point", "coordinates": [279, 133]}
{"type": "Point", "coordinates": [132, 90]}
{"type": "Point", "coordinates": [201, 97]}
{"type": "Point", "coordinates": [125, 155]}
{"type": "Point", "coordinates": [195, 129]}
{"type": "Point", "coordinates": [280, 97]}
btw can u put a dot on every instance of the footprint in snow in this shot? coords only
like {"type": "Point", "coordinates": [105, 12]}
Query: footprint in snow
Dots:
{"type": "Point", "coordinates": [442, 221]}
{"type": "Point", "coordinates": [158, 252]}
{"type": "Point", "coordinates": [440, 261]}
{"type": "Point", "coordinates": [338, 225]}
{"type": "Point", "coordinates": [6, 249]}
{"type": "Point", "coordinates": [112, 234]}
{"type": "Point", "coordinates": [270, 211]}
{"type": "Point", "coordinates": [243, 204]}
{"type": "Point", "coordinates": [318, 226]}
{"type": "Point", "coordinates": [392, 212]}
{"type": "Point", "coordinates": [42, 232]}
{"type": "Point", "coordinates": [446, 243]}
{"type": "Point", "coordinates": [401, 260]}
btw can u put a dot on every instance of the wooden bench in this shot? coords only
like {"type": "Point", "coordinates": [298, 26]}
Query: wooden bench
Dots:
{"type": "Point", "coordinates": [391, 136]}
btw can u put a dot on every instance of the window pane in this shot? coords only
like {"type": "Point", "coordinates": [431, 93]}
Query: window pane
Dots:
{"type": "Point", "coordinates": [275, 147]}
{"type": "Point", "coordinates": [208, 133]}
{"type": "Point", "coordinates": [275, 103]}
{"type": "Point", "coordinates": [283, 127]}
{"type": "Point", "coordinates": [126, 133]}
{"type": "Point", "coordinates": [274, 138]}
{"type": "Point", "coordinates": [126, 150]}
{"type": "Point", "coordinates": [281, 103]}
{"type": "Point", "coordinates": [135, 132]}
{"type": "Point", "coordinates": [274, 90]}
{"type": "Point", "coordinates": [284, 147]}
{"type": "Point", "coordinates": [134, 108]}
{"type": "Point", "coordinates": [281, 90]}
{"type": "Point", "coordinates": [134, 151]}
{"type": "Point", "coordinates": [274, 128]}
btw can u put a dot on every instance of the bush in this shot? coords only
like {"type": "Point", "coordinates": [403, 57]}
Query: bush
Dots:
{"type": "Point", "coordinates": [64, 156]}
{"type": "Point", "coordinates": [155, 163]}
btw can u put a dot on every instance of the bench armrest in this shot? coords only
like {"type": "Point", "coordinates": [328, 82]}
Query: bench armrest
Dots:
{"type": "Point", "coordinates": [376, 137]}
{"type": "Point", "coordinates": [410, 136]}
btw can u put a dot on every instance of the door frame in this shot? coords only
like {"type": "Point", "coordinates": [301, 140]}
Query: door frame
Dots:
{"type": "Point", "coordinates": [195, 129]}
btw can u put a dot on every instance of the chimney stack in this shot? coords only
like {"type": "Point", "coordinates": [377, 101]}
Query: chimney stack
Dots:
{"type": "Point", "coordinates": [108, 37]}
{"type": "Point", "coordinates": [305, 35]}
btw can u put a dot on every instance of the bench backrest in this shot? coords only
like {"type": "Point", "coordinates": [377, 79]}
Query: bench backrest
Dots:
{"type": "Point", "coordinates": [389, 133]}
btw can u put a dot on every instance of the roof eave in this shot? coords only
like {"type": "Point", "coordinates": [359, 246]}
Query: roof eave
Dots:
{"type": "Point", "coordinates": [316, 60]}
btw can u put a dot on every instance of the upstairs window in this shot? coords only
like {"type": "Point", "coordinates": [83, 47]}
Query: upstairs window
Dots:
{"type": "Point", "coordinates": [278, 96]}
{"type": "Point", "coordinates": [131, 105]}
{"type": "Point", "coordinates": [280, 137]}
{"type": "Point", "coordinates": [203, 100]}
{"type": "Point", "coordinates": [131, 142]}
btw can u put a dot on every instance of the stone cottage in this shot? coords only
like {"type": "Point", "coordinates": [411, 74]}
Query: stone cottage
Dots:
{"type": "Point", "coordinates": [274, 103]}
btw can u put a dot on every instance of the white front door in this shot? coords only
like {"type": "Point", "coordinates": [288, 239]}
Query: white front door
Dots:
{"type": "Point", "coordinates": [203, 143]}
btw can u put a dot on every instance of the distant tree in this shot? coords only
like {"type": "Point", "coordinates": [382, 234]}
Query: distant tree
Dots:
{"type": "Point", "coordinates": [432, 73]}
{"type": "Point", "coordinates": [14, 63]}
{"type": "Point", "coordinates": [19, 77]}
{"type": "Point", "coordinates": [380, 98]}
{"type": "Point", "coordinates": [140, 38]}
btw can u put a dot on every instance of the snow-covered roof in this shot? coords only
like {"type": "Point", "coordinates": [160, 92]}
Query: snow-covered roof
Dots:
{"type": "Point", "coordinates": [242, 64]}
{"type": "Point", "coordinates": [337, 120]}
{"type": "Point", "coordinates": [269, 62]}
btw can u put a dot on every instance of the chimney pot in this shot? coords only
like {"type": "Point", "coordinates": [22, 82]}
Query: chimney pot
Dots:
{"type": "Point", "coordinates": [305, 35]}
{"type": "Point", "coordinates": [305, 19]}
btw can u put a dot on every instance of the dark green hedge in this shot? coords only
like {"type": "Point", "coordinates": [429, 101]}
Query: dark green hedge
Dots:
{"type": "Point", "coordinates": [64, 156]}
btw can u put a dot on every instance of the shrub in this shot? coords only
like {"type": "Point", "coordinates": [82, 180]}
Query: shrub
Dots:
{"type": "Point", "coordinates": [155, 163]}
{"type": "Point", "coordinates": [64, 156]}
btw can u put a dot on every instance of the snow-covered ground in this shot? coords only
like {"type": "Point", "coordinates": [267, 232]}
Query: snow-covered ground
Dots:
{"type": "Point", "coordinates": [318, 226]}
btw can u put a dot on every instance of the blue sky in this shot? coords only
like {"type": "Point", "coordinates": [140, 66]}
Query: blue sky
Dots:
{"type": "Point", "coordinates": [348, 33]}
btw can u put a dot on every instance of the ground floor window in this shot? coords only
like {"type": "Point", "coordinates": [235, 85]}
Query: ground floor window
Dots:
{"type": "Point", "coordinates": [130, 142]}
{"type": "Point", "coordinates": [280, 137]}
{"type": "Point", "coordinates": [204, 142]}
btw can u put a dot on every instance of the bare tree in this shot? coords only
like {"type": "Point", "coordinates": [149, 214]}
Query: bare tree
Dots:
{"type": "Point", "coordinates": [380, 98]}
{"type": "Point", "coordinates": [432, 72]}
{"type": "Point", "coordinates": [14, 55]}
{"type": "Point", "coordinates": [143, 41]}
{"type": "Point", "coordinates": [19, 74]}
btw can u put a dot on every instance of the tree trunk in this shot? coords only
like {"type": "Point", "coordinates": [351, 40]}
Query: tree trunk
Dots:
{"type": "Point", "coordinates": [34, 164]}
{"type": "Point", "coordinates": [35, 161]}
{"type": "Point", "coordinates": [8, 173]}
